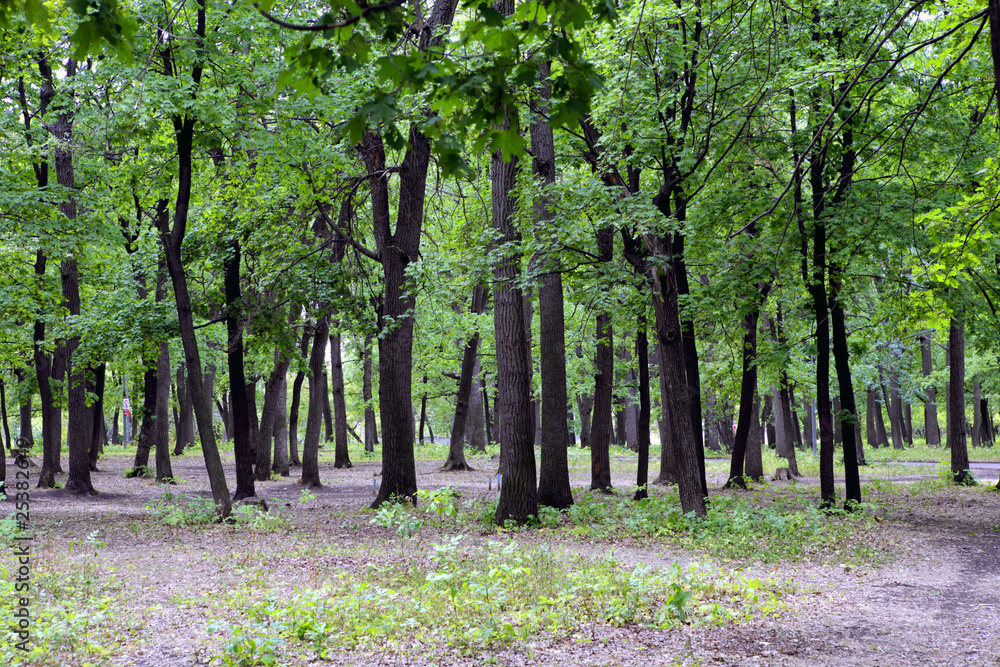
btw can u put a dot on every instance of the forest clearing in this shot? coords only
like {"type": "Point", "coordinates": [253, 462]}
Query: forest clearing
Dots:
{"type": "Point", "coordinates": [703, 295]}
{"type": "Point", "coordinates": [143, 575]}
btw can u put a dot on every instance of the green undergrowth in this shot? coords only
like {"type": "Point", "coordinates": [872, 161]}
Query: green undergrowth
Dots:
{"type": "Point", "coordinates": [74, 610]}
{"type": "Point", "coordinates": [468, 600]}
{"type": "Point", "coordinates": [762, 525]}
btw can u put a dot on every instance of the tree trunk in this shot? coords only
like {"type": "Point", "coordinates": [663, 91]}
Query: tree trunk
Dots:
{"type": "Point", "coordinates": [456, 443]}
{"type": "Point", "coordinates": [371, 430]}
{"type": "Point", "coordinates": [604, 363]}
{"type": "Point", "coordinates": [672, 372]}
{"type": "Point", "coordinates": [691, 367]}
{"type": "Point", "coordinates": [749, 402]}
{"type": "Point", "coordinates": [585, 405]}
{"type": "Point", "coordinates": [849, 415]}
{"type": "Point", "coordinates": [475, 427]}
{"type": "Point", "coordinates": [6, 425]}
{"type": "Point", "coordinates": [268, 419]}
{"type": "Point", "coordinates": [317, 392]}
{"type": "Point", "coordinates": [172, 240]}
{"type": "Point", "coordinates": [342, 456]}
{"type": "Point", "coordinates": [279, 464]}
{"type": "Point", "coordinates": [932, 432]}
{"type": "Point", "coordinates": [754, 462]}
{"type": "Point", "coordinates": [293, 413]}
{"type": "Point", "coordinates": [553, 480]}
{"type": "Point", "coordinates": [328, 435]}
{"type": "Point", "coordinates": [643, 425]}
{"type": "Point", "coordinates": [515, 428]}
{"type": "Point", "coordinates": [25, 430]}
{"type": "Point", "coordinates": [242, 443]}
{"type": "Point", "coordinates": [977, 419]}
{"type": "Point", "coordinates": [161, 436]}
{"type": "Point", "coordinates": [98, 433]}
{"type": "Point", "coordinates": [185, 414]}
{"type": "Point", "coordinates": [956, 402]}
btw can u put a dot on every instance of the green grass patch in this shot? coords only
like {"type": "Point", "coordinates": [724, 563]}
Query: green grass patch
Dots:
{"type": "Point", "coordinates": [472, 599]}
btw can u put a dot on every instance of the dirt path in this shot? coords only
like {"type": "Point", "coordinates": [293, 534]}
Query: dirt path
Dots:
{"type": "Point", "coordinates": [936, 605]}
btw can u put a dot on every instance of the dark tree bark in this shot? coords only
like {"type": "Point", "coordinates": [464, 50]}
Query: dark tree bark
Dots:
{"type": "Point", "coordinates": [604, 363]}
{"type": "Point", "coordinates": [423, 411]}
{"type": "Point", "coordinates": [871, 405]}
{"type": "Point", "coordinates": [342, 457]}
{"type": "Point", "coordinates": [849, 414]}
{"type": "Point", "coordinates": [977, 423]}
{"type": "Point", "coordinates": [956, 402]}
{"type": "Point", "coordinates": [161, 437]}
{"type": "Point", "coordinates": [456, 444]}
{"type": "Point", "coordinates": [146, 436]}
{"type": "Point", "coordinates": [242, 444]}
{"type": "Point", "coordinates": [749, 405]}
{"type": "Point", "coordinates": [515, 427]}
{"type": "Point", "coordinates": [25, 430]}
{"type": "Point", "coordinates": [475, 425]}
{"type": "Point", "coordinates": [293, 412]}
{"type": "Point", "coordinates": [6, 425]}
{"type": "Point", "coordinates": [371, 430]}
{"type": "Point", "coordinates": [269, 416]}
{"type": "Point", "coordinates": [553, 478]}
{"type": "Point", "coordinates": [172, 239]}
{"type": "Point", "coordinates": [642, 428]}
{"type": "Point", "coordinates": [98, 427]}
{"type": "Point", "coordinates": [317, 391]}
{"type": "Point", "coordinates": [279, 464]}
{"type": "Point", "coordinates": [932, 432]}
{"type": "Point", "coordinates": [692, 372]}
{"type": "Point", "coordinates": [673, 381]}
{"type": "Point", "coordinates": [753, 460]}
{"type": "Point", "coordinates": [585, 405]}
{"type": "Point", "coordinates": [327, 409]}
{"type": "Point", "coordinates": [185, 414]}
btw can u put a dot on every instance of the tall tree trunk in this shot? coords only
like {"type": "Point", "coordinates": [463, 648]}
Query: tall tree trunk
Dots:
{"type": "Point", "coordinates": [317, 392]}
{"type": "Point", "coordinates": [371, 430]}
{"type": "Point", "coordinates": [932, 432]}
{"type": "Point", "coordinates": [585, 405]}
{"type": "Point", "coordinates": [328, 434]}
{"type": "Point", "coordinates": [6, 425]}
{"type": "Point", "coordinates": [977, 418]}
{"type": "Point", "coordinates": [604, 363]}
{"type": "Point", "coordinates": [185, 413]}
{"type": "Point", "coordinates": [871, 407]}
{"type": "Point", "coordinates": [279, 464]}
{"type": "Point", "coordinates": [172, 239]}
{"type": "Point", "coordinates": [456, 443]}
{"type": "Point", "coordinates": [25, 430]}
{"type": "Point", "coordinates": [423, 411]}
{"type": "Point", "coordinates": [753, 461]}
{"type": "Point", "coordinates": [849, 414]}
{"type": "Point", "coordinates": [98, 427]}
{"type": "Point", "coordinates": [273, 389]}
{"type": "Point", "coordinates": [475, 425]}
{"type": "Point", "coordinates": [675, 400]}
{"type": "Point", "coordinates": [749, 403]}
{"type": "Point", "coordinates": [642, 427]}
{"type": "Point", "coordinates": [242, 444]}
{"type": "Point", "coordinates": [293, 412]}
{"type": "Point", "coordinates": [956, 402]}
{"type": "Point", "coordinates": [518, 495]}
{"type": "Point", "coordinates": [691, 367]}
{"type": "Point", "coordinates": [161, 437]}
{"type": "Point", "coordinates": [553, 478]}
{"type": "Point", "coordinates": [342, 456]}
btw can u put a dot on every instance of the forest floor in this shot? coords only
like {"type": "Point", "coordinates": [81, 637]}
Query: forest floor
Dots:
{"type": "Point", "coordinates": [136, 577]}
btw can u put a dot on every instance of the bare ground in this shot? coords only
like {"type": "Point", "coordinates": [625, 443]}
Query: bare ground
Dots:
{"type": "Point", "coordinates": [936, 604]}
